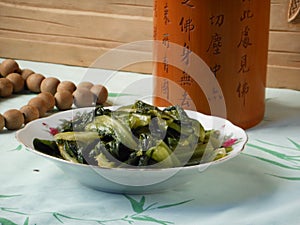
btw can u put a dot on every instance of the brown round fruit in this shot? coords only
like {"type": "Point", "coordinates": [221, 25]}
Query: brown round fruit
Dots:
{"type": "Point", "coordinates": [33, 82]}
{"type": "Point", "coordinates": [8, 66]}
{"type": "Point", "coordinates": [66, 86]}
{"type": "Point", "coordinates": [40, 104]}
{"type": "Point", "coordinates": [14, 119]}
{"type": "Point", "coordinates": [2, 122]}
{"type": "Point", "coordinates": [85, 84]}
{"type": "Point", "coordinates": [83, 97]}
{"type": "Point", "coordinates": [6, 87]}
{"type": "Point", "coordinates": [26, 73]}
{"type": "Point", "coordinates": [100, 92]}
{"type": "Point", "coordinates": [17, 81]}
{"type": "Point", "coordinates": [49, 98]}
{"type": "Point", "coordinates": [30, 113]}
{"type": "Point", "coordinates": [63, 100]}
{"type": "Point", "coordinates": [50, 84]}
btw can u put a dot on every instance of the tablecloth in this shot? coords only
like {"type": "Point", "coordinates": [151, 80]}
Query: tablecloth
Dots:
{"type": "Point", "coordinates": [259, 187]}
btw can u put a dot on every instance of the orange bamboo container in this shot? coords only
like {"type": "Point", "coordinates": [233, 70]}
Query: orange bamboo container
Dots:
{"type": "Point", "coordinates": [231, 37]}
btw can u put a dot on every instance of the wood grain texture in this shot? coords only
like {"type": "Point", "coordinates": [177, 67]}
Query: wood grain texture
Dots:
{"type": "Point", "coordinates": [78, 32]}
{"type": "Point", "coordinates": [284, 48]}
{"type": "Point", "coordinates": [72, 32]}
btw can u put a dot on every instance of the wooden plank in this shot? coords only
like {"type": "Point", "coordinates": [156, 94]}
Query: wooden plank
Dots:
{"type": "Point", "coordinates": [63, 32]}
{"type": "Point", "coordinates": [285, 59]}
{"type": "Point", "coordinates": [283, 77]}
{"type": "Point", "coordinates": [279, 17]}
{"type": "Point", "coordinates": [125, 7]}
{"type": "Point", "coordinates": [87, 24]}
{"type": "Point", "coordinates": [69, 54]}
{"type": "Point", "coordinates": [284, 48]}
{"type": "Point", "coordinates": [89, 42]}
{"type": "Point", "coordinates": [284, 41]}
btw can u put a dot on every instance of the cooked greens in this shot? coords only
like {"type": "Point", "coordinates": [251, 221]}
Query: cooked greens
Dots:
{"type": "Point", "coordinates": [135, 135]}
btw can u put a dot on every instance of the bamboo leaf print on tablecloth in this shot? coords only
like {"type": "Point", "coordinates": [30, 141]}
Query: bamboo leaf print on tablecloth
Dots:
{"type": "Point", "coordinates": [137, 206]}
{"type": "Point", "coordinates": [150, 219]}
{"type": "Point", "coordinates": [4, 221]}
{"type": "Point", "coordinates": [18, 148]}
{"type": "Point", "coordinates": [26, 221]}
{"type": "Point", "coordinates": [8, 196]}
{"type": "Point", "coordinates": [290, 161]}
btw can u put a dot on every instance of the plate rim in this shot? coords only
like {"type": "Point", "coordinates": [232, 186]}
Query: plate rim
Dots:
{"type": "Point", "coordinates": [138, 169]}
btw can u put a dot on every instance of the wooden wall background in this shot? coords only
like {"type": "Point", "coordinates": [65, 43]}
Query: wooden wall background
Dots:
{"type": "Point", "coordinates": [78, 32]}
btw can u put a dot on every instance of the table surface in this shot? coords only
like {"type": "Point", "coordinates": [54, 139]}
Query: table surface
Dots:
{"type": "Point", "coordinates": [260, 186]}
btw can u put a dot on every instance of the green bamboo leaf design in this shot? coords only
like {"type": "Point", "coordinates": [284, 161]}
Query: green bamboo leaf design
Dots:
{"type": "Point", "coordinates": [273, 162]}
{"type": "Point", "coordinates": [295, 144]}
{"type": "Point", "coordinates": [274, 153]}
{"type": "Point", "coordinates": [286, 178]}
{"type": "Point", "coordinates": [8, 196]}
{"type": "Point", "coordinates": [114, 95]}
{"type": "Point", "coordinates": [18, 148]}
{"type": "Point", "coordinates": [150, 206]}
{"type": "Point", "coordinates": [26, 221]}
{"type": "Point", "coordinates": [137, 206]}
{"type": "Point", "coordinates": [56, 216]}
{"type": "Point", "coordinates": [276, 145]}
{"type": "Point", "coordinates": [150, 219]}
{"type": "Point", "coordinates": [59, 217]}
{"type": "Point", "coordinates": [11, 210]}
{"type": "Point", "coordinates": [4, 221]}
{"type": "Point", "coordinates": [142, 201]}
{"type": "Point", "coordinates": [174, 204]}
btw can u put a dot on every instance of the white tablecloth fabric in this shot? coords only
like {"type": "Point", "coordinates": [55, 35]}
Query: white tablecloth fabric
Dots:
{"type": "Point", "coordinates": [259, 187]}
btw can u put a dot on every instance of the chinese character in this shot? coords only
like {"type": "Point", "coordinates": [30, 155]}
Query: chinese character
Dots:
{"type": "Point", "coordinates": [186, 26]}
{"type": "Point", "coordinates": [166, 65]}
{"type": "Point", "coordinates": [215, 44]}
{"type": "Point", "coordinates": [165, 40]}
{"type": "Point", "coordinates": [242, 90]}
{"type": "Point", "coordinates": [187, 3]}
{"type": "Point", "coordinates": [216, 68]}
{"type": "Point", "coordinates": [165, 88]}
{"type": "Point", "coordinates": [217, 20]}
{"type": "Point", "coordinates": [185, 101]}
{"type": "Point", "coordinates": [246, 15]}
{"type": "Point", "coordinates": [186, 79]}
{"type": "Point", "coordinates": [215, 95]}
{"type": "Point", "coordinates": [166, 14]}
{"type": "Point", "coordinates": [244, 65]}
{"type": "Point", "coordinates": [186, 54]}
{"type": "Point", "coordinates": [245, 40]}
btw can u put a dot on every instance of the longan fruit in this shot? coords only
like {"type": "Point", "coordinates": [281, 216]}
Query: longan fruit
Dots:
{"type": "Point", "coordinates": [30, 113]}
{"type": "Point", "coordinates": [83, 97]}
{"type": "Point", "coordinates": [17, 81]}
{"type": "Point", "coordinates": [26, 73]}
{"type": "Point", "coordinates": [14, 119]}
{"type": "Point", "coordinates": [50, 84]}
{"type": "Point", "coordinates": [85, 84]}
{"type": "Point", "coordinates": [100, 92]}
{"type": "Point", "coordinates": [63, 100]}
{"type": "Point", "coordinates": [2, 122]}
{"type": "Point", "coordinates": [66, 86]}
{"type": "Point", "coordinates": [40, 104]}
{"type": "Point", "coordinates": [6, 87]}
{"type": "Point", "coordinates": [8, 66]}
{"type": "Point", "coordinates": [33, 82]}
{"type": "Point", "coordinates": [49, 98]}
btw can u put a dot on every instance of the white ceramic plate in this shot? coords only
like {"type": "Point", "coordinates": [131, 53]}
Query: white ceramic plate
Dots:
{"type": "Point", "coordinates": [129, 180]}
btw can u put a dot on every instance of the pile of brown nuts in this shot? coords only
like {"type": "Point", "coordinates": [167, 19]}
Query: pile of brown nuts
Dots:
{"type": "Point", "coordinates": [51, 92]}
